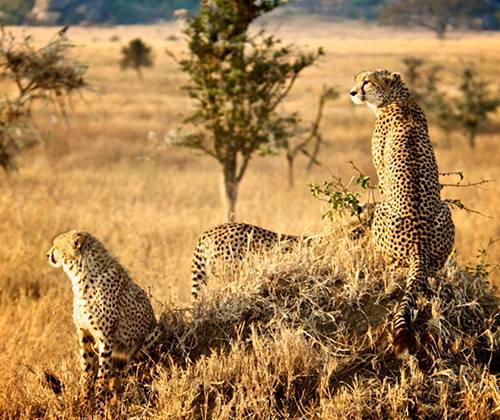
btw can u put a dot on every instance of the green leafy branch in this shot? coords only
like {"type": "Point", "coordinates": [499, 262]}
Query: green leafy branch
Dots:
{"type": "Point", "coordinates": [482, 268]}
{"type": "Point", "coordinates": [339, 196]}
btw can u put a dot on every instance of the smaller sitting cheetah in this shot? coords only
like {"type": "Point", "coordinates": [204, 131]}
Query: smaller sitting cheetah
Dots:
{"type": "Point", "coordinates": [112, 314]}
{"type": "Point", "coordinates": [228, 244]}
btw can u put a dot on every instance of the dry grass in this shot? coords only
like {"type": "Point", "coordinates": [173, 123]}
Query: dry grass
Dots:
{"type": "Point", "coordinates": [304, 347]}
{"type": "Point", "coordinates": [307, 335]}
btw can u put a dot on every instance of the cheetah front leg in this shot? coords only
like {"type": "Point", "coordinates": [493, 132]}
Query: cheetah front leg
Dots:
{"type": "Point", "coordinates": [88, 362]}
{"type": "Point", "coordinates": [105, 348]}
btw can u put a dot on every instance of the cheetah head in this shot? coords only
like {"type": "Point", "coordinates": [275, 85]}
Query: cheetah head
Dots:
{"type": "Point", "coordinates": [66, 248]}
{"type": "Point", "coordinates": [376, 88]}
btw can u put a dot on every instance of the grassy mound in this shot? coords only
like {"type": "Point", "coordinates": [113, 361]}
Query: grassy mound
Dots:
{"type": "Point", "coordinates": [308, 334]}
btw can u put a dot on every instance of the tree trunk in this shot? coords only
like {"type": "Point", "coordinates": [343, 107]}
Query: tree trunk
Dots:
{"type": "Point", "coordinates": [471, 137]}
{"type": "Point", "coordinates": [314, 155]}
{"type": "Point", "coordinates": [447, 138]}
{"type": "Point", "coordinates": [291, 176]}
{"type": "Point", "coordinates": [441, 29]}
{"type": "Point", "coordinates": [229, 186]}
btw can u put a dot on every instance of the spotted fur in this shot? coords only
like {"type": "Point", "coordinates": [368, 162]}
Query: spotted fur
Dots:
{"type": "Point", "coordinates": [226, 245]}
{"type": "Point", "coordinates": [112, 314]}
{"type": "Point", "coordinates": [411, 226]}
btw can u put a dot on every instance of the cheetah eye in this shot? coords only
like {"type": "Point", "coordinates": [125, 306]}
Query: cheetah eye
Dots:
{"type": "Point", "coordinates": [363, 84]}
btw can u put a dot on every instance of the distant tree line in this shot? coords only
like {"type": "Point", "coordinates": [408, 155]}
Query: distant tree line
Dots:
{"type": "Point", "coordinates": [441, 15]}
{"type": "Point", "coordinates": [14, 11]}
{"type": "Point", "coordinates": [96, 11]}
{"type": "Point", "coordinates": [438, 15]}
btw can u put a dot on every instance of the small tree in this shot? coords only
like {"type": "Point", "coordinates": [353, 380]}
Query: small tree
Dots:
{"type": "Point", "coordinates": [422, 81]}
{"type": "Point", "coordinates": [437, 15]}
{"type": "Point", "coordinates": [237, 81]}
{"type": "Point", "coordinates": [474, 104]}
{"type": "Point", "coordinates": [416, 77]}
{"type": "Point", "coordinates": [46, 74]}
{"type": "Point", "coordinates": [443, 115]}
{"type": "Point", "coordinates": [136, 55]}
{"type": "Point", "coordinates": [300, 142]}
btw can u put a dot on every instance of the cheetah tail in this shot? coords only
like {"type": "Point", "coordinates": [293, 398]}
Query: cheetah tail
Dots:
{"type": "Point", "coordinates": [198, 271]}
{"type": "Point", "coordinates": [403, 337]}
{"type": "Point", "coordinates": [53, 382]}
{"type": "Point", "coordinates": [153, 340]}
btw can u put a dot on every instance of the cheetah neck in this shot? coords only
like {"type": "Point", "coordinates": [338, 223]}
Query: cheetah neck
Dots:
{"type": "Point", "coordinates": [75, 274]}
{"type": "Point", "coordinates": [402, 94]}
{"type": "Point", "coordinates": [373, 107]}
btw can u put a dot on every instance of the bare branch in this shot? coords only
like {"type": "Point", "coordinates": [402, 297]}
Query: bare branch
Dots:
{"type": "Point", "coordinates": [468, 184]}
{"type": "Point", "coordinates": [243, 168]}
{"type": "Point", "coordinates": [459, 205]}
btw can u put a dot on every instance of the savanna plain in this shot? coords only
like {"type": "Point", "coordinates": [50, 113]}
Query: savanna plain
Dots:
{"type": "Point", "coordinates": [148, 202]}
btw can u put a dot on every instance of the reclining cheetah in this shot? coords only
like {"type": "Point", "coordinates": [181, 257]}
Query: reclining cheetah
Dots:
{"type": "Point", "coordinates": [228, 244]}
{"type": "Point", "coordinates": [412, 225]}
{"type": "Point", "coordinates": [112, 314]}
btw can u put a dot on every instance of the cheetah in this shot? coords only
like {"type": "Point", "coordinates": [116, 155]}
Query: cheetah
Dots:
{"type": "Point", "coordinates": [411, 225]}
{"type": "Point", "coordinates": [112, 314]}
{"type": "Point", "coordinates": [228, 244]}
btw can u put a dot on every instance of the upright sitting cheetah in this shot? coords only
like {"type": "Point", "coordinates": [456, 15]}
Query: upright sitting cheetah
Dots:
{"type": "Point", "coordinates": [112, 314]}
{"type": "Point", "coordinates": [411, 225]}
{"type": "Point", "coordinates": [229, 243]}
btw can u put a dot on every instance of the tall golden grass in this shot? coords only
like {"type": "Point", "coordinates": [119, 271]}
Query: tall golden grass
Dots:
{"type": "Point", "coordinates": [148, 204]}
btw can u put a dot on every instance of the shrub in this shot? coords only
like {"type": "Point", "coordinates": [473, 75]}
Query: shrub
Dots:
{"type": "Point", "coordinates": [136, 55]}
{"type": "Point", "coordinates": [47, 74]}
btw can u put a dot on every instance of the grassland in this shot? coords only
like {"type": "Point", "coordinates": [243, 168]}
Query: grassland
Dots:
{"type": "Point", "coordinates": [149, 203]}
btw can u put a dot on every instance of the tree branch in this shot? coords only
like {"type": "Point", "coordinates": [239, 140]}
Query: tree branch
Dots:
{"type": "Point", "coordinates": [285, 92]}
{"type": "Point", "coordinates": [243, 167]}
{"type": "Point", "coordinates": [458, 204]}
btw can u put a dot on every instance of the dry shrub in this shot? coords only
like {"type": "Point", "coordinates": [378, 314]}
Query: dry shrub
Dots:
{"type": "Point", "coordinates": [307, 335]}
{"type": "Point", "coordinates": [46, 74]}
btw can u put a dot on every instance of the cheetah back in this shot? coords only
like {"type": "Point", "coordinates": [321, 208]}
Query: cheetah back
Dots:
{"type": "Point", "coordinates": [226, 245]}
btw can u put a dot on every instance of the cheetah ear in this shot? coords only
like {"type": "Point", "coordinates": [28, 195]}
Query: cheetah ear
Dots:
{"type": "Point", "coordinates": [395, 78]}
{"type": "Point", "coordinates": [78, 241]}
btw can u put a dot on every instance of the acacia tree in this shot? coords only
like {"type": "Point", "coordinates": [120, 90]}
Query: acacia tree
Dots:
{"type": "Point", "coordinates": [422, 80]}
{"type": "Point", "coordinates": [46, 74]}
{"type": "Point", "coordinates": [474, 104]}
{"type": "Point", "coordinates": [468, 110]}
{"type": "Point", "coordinates": [136, 55]}
{"type": "Point", "coordinates": [436, 15]}
{"type": "Point", "coordinates": [237, 81]}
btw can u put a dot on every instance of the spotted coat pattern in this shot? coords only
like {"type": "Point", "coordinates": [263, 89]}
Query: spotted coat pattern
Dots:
{"type": "Point", "coordinates": [112, 314]}
{"type": "Point", "coordinates": [226, 245]}
{"type": "Point", "coordinates": [411, 226]}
